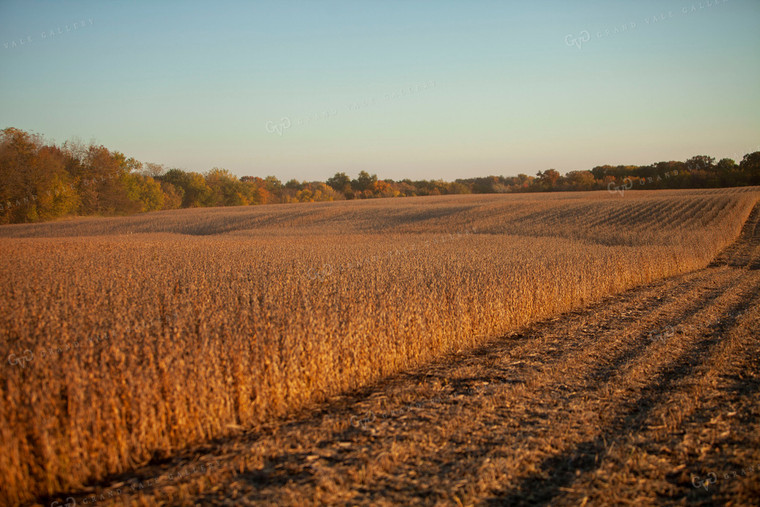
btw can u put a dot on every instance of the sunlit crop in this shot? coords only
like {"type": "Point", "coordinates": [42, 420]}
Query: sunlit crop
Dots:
{"type": "Point", "coordinates": [125, 339]}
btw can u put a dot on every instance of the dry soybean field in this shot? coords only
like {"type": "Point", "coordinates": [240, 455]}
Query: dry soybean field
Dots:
{"type": "Point", "coordinates": [561, 348]}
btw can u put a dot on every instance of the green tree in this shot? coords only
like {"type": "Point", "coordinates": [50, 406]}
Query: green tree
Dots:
{"type": "Point", "coordinates": [56, 194]}
{"type": "Point", "coordinates": [34, 184]}
{"type": "Point", "coordinates": [580, 180]}
{"type": "Point", "coordinates": [700, 163]}
{"type": "Point", "coordinates": [173, 195]}
{"type": "Point", "coordinates": [294, 185]}
{"type": "Point", "coordinates": [102, 184]}
{"type": "Point", "coordinates": [728, 173]}
{"type": "Point", "coordinates": [340, 182]}
{"type": "Point", "coordinates": [256, 190]}
{"type": "Point", "coordinates": [195, 192]}
{"type": "Point", "coordinates": [144, 192]}
{"type": "Point", "coordinates": [18, 151]}
{"type": "Point", "coordinates": [226, 189]}
{"type": "Point", "coordinates": [548, 179]}
{"type": "Point", "coordinates": [154, 170]}
{"type": "Point", "coordinates": [364, 183]}
{"type": "Point", "coordinates": [273, 187]}
{"type": "Point", "coordinates": [750, 166]}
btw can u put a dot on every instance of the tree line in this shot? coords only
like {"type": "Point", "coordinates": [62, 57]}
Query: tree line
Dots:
{"type": "Point", "coordinates": [42, 181]}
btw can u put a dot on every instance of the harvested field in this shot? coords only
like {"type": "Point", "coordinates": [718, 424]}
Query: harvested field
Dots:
{"type": "Point", "coordinates": [454, 350]}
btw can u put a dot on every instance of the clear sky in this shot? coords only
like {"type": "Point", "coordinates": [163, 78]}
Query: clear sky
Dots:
{"type": "Point", "coordinates": [418, 89]}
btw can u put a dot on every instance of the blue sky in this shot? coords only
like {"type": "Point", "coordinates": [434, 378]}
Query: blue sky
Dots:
{"type": "Point", "coordinates": [418, 89]}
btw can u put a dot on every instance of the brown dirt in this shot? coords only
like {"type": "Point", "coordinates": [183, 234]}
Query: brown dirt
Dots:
{"type": "Point", "coordinates": [648, 397]}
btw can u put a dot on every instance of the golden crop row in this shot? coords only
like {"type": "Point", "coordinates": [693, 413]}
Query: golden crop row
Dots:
{"type": "Point", "coordinates": [205, 320]}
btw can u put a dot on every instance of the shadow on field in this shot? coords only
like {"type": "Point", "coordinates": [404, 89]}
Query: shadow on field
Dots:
{"type": "Point", "coordinates": [560, 471]}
